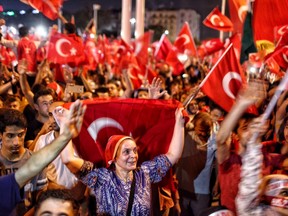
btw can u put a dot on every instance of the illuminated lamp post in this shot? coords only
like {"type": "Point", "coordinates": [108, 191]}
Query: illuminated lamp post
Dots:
{"type": "Point", "coordinates": [125, 20]}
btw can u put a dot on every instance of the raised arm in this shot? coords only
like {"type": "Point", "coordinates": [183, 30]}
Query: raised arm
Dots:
{"type": "Point", "coordinates": [177, 141]}
{"type": "Point", "coordinates": [44, 156]}
{"type": "Point", "coordinates": [22, 68]}
{"type": "Point", "coordinates": [125, 79]}
{"type": "Point", "coordinates": [255, 91]}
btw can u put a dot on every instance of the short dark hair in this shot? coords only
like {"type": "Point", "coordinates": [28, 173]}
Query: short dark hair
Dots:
{"type": "Point", "coordinates": [10, 99]}
{"type": "Point", "coordinates": [11, 117]}
{"type": "Point", "coordinates": [61, 194]}
{"type": "Point", "coordinates": [70, 28]}
{"type": "Point", "coordinates": [42, 92]}
{"type": "Point", "coordinates": [23, 31]}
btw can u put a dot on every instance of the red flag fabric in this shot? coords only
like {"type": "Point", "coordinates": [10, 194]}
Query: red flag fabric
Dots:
{"type": "Point", "coordinates": [49, 8]}
{"type": "Point", "coordinates": [149, 122]}
{"type": "Point", "coordinates": [176, 60]}
{"type": "Point", "coordinates": [235, 39]}
{"type": "Point", "coordinates": [64, 49]}
{"type": "Point", "coordinates": [1, 8]}
{"type": "Point", "coordinates": [141, 47]}
{"type": "Point", "coordinates": [163, 48]}
{"type": "Point", "coordinates": [274, 67]}
{"type": "Point", "coordinates": [210, 46]}
{"type": "Point", "coordinates": [238, 10]}
{"type": "Point", "coordinates": [216, 20]}
{"type": "Point", "coordinates": [279, 31]}
{"type": "Point", "coordinates": [280, 55]}
{"type": "Point", "coordinates": [185, 42]}
{"type": "Point", "coordinates": [264, 20]}
{"type": "Point", "coordinates": [224, 80]}
{"type": "Point", "coordinates": [91, 54]}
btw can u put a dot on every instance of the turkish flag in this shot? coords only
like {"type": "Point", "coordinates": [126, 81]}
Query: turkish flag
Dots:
{"type": "Point", "coordinates": [216, 20]}
{"type": "Point", "coordinates": [235, 39]}
{"type": "Point", "coordinates": [163, 48]}
{"type": "Point", "coordinates": [177, 61]}
{"type": "Point", "coordinates": [184, 42]}
{"type": "Point", "coordinates": [238, 10]}
{"type": "Point", "coordinates": [141, 46]}
{"type": "Point", "coordinates": [279, 31]}
{"type": "Point", "coordinates": [63, 49]}
{"type": "Point", "coordinates": [91, 53]}
{"type": "Point", "coordinates": [224, 80]}
{"type": "Point", "coordinates": [264, 20]}
{"type": "Point", "coordinates": [49, 8]}
{"type": "Point", "coordinates": [274, 67]}
{"type": "Point", "coordinates": [210, 46]}
{"type": "Point", "coordinates": [280, 55]}
{"type": "Point", "coordinates": [149, 122]}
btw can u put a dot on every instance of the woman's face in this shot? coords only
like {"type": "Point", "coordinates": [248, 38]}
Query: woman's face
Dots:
{"type": "Point", "coordinates": [127, 155]}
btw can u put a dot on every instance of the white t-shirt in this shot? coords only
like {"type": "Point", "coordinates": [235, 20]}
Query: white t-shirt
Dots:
{"type": "Point", "coordinates": [57, 171]}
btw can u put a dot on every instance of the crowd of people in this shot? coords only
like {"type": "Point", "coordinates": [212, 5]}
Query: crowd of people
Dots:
{"type": "Point", "coordinates": [230, 163]}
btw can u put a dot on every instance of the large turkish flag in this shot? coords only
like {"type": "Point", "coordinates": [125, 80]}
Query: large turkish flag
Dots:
{"type": "Point", "coordinates": [149, 122]}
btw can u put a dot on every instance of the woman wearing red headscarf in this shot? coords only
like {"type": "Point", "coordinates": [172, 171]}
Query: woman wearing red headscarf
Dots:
{"type": "Point", "coordinates": [113, 186]}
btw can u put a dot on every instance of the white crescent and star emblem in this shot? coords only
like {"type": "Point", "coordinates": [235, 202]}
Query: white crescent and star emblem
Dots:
{"type": "Point", "coordinates": [59, 44]}
{"type": "Point", "coordinates": [101, 123]}
{"type": "Point", "coordinates": [185, 37]}
{"type": "Point", "coordinates": [282, 30]}
{"type": "Point", "coordinates": [226, 81]}
{"type": "Point", "coordinates": [213, 19]}
{"type": "Point", "coordinates": [210, 44]}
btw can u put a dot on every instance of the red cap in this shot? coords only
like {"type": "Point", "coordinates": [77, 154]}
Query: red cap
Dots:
{"type": "Point", "coordinates": [112, 147]}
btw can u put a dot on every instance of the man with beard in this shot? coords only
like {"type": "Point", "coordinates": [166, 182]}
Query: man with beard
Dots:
{"type": "Point", "coordinates": [13, 155]}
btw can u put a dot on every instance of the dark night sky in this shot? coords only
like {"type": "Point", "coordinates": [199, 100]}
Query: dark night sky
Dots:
{"type": "Point", "coordinates": [75, 5]}
{"type": "Point", "coordinates": [203, 7]}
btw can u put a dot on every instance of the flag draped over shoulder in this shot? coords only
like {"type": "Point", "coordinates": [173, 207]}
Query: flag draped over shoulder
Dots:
{"type": "Point", "coordinates": [224, 80]}
{"type": "Point", "coordinates": [64, 49]}
{"type": "Point", "coordinates": [149, 122]}
{"type": "Point", "coordinates": [49, 8]}
{"type": "Point", "coordinates": [218, 21]}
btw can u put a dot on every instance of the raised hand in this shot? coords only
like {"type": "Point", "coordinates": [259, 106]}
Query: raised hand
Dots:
{"type": "Point", "coordinates": [154, 89]}
{"type": "Point", "coordinates": [253, 93]}
{"type": "Point", "coordinates": [72, 119]}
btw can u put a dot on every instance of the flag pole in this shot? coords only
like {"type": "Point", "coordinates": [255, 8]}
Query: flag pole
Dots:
{"type": "Point", "coordinates": [215, 65]}
{"type": "Point", "coordinates": [190, 97]}
{"type": "Point", "coordinates": [223, 6]}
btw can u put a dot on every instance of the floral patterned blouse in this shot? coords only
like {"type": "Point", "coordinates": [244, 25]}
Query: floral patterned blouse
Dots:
{"type": "Point", "coordinates": [112, 193]}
